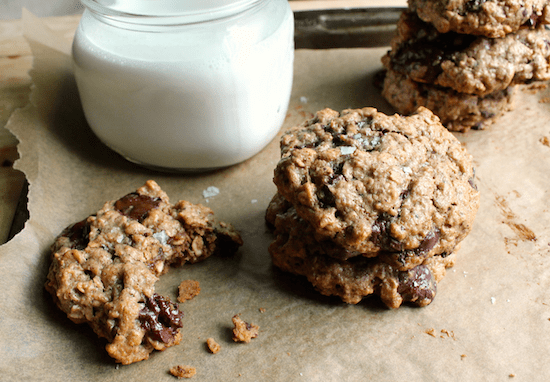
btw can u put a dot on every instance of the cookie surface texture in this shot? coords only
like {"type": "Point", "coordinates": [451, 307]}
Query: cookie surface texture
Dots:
{"type": "Point", "coordinates": [468, 64]}
{"type": "Point", "coordinates": [370, 189]}
{"type": "Point", "coordinates": [491, 18]}
{"type": "Point", "coordinates": [104, 268]}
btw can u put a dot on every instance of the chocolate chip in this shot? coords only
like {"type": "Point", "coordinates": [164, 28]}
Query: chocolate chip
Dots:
{"type": "Point", "coordinates": [429, 242]}
{"type": "Point", "coordinates": [417, 285]}
{"type": "Point", "coordinates": [160, 318]}
{"type": "Point", "coordinates": [381, 237]}
{"type": "Point", "coordinates": [78, 234]}
{"type": "Point", "coordinates": [136, 206]}
{"type": "Point", "coordinates": [378, 231]}
{"type": "Point", "coordinates": [532, 21]}
{"type": "Point", "coordinates": [326, 197]}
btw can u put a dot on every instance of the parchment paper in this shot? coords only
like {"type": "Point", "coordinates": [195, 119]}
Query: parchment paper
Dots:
{"type": "Point", "coordinates": [489, 321]}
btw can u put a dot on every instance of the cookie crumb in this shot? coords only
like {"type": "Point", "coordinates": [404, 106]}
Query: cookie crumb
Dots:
{"type": "Point", "coordinates": [188, 289]}
{"type": "Point", "coordinates": [213, 346]}
{"type": "Point", "coordinates": [243, 331]}
{"type": "Point", "coordinates": [512, 375]}
{"type": "Point", "coordinates": [431, 332]}
{"type": "Point", "coordinates": [545, 141]}
{"type": "Point", "coordinates": [449, 333]}
{"type": "Point", "coordinates": [182, 371]}
{"type": "Point", "coordinates": [462, 356]}
{"type": "Point", "coordinates": [262, 310]}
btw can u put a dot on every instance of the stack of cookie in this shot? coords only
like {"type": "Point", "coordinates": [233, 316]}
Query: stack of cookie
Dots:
{"type": "Point", "coordinates": [371, 204]}
{"type": "Point", "coordinates": [462, 59]}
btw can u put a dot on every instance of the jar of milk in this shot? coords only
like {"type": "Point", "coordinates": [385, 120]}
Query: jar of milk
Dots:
{"type": "Point", "coordinates": [186, 85]}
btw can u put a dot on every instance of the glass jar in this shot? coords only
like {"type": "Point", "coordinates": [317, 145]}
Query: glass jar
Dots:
{"type": "Point", "coordinates": [185, 85]}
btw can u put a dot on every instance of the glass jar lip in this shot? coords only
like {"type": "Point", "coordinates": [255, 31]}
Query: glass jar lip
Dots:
{"type": "Point", "coordinates": [167, 12]}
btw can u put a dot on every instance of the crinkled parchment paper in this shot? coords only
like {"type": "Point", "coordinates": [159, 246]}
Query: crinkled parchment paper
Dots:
{"type": "Point", "coordinates": [489, 321]}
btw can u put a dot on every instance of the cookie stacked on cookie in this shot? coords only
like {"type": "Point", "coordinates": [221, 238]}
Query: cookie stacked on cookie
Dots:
{"type": "Point", "coordinates": [462, 59]}
{"type": "Point", "coordinates": [371, 204]}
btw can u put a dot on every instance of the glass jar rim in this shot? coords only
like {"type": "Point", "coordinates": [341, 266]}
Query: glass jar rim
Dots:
{"type": "Point", "coordinates": [167, 11]}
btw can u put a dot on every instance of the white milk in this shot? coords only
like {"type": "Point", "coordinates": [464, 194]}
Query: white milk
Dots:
{"type": "Point", "coordinates": [191, 97]}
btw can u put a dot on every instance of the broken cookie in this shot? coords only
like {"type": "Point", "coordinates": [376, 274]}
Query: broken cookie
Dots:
{"type": "Point", "coordinates": [104, 268]}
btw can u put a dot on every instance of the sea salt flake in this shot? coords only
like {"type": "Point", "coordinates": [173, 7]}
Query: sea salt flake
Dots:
{"type": "Point", "coordinates": [493, 300]}
{"type": "Point", "coordinates": [254, 201]}
{"type": "Point", "coordinates": [162, 237]}
{"type": "Point", "coordinates": [407, 170]}
{"type": "Point", "coordinates": [303, 99]}
{"type": "Point", "coordinates": [210, 192]}
{"type": "Point", "coordinates": [347, 150]}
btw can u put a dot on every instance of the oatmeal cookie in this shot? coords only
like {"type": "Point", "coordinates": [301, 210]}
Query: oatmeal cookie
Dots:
{"type": "Point", "coordinates": [465, 63]}
{"type": "Point", "coordinates": [377, 185]}
{"type": "Point", "coordinates": [491, 18]}
{"type": "Point", "coordinates": [457, 111]}
{"type": "Point", "coordinates": [104, 268]}
{"type": "Point", "coordinates": [295, 250]}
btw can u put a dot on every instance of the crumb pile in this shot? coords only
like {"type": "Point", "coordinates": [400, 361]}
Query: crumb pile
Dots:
{"type": "Point", "coordinates": [104, 268]}
{"type": "Point", "coordinates": [462, 58]}
{"type": "Point", "coordinates": [371, 204]}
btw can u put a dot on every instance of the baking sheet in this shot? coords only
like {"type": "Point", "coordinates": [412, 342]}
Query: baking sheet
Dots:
{"type": "Point", "coordinates": [490, 320]}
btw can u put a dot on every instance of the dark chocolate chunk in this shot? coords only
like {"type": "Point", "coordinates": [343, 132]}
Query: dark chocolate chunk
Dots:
{"type": "Point", "coordinates": [78, 234]}
{"type": "Point", "coordinates": [417, 285]}
{"type": "Point", "coordinates": [160, 318]}
{"type": "Point", "coordinates": [326, 197]}
{"type": "Point", "coordinates": [136, 206]}
{"type": "Point", "coordinates": [429, 242]}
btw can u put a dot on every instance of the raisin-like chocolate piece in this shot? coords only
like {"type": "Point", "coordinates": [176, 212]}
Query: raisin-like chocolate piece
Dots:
{"type": "Point", "coordinates": [136, 206]}
{"type": "Point", "coordinates": [161, 318]}
{"type": "Point", "coordinates": [78, 234]}
{"type": "Point", "coordinates": [417, 285]}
